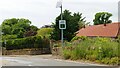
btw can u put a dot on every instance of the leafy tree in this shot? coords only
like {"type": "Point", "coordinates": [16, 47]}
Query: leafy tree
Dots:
{"type": "Point", "coordinates": [32, 27]}
{"type": "Point", "coordinates": [72, 25]}
{"type": "Point", "coordinates": [17, 27]}
{"type": "Point", "coordinates": [102, 18]}
{"type": "Point", "coordinates": [6, 29]}
{"type": "Point", "coordinates": [82, 23]}
{"type": "Point", "coordinates": [31, 31]}
{"type": "Point", "coordinates": [45, 32]}
{"type": "Point", "coordinates": [47, 26]}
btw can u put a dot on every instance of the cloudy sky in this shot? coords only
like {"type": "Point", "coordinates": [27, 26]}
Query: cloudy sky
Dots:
{"type": "Point", "coordinates": [42, 12]}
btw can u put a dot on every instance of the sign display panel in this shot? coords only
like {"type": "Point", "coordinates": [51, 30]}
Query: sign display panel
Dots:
{"type": "Point", "coordinates": [62, 24]}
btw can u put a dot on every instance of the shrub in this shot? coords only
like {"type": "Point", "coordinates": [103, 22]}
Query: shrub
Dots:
{"type": "Point", "coordinates": [106, 60]}
{"type": "Point", "coordinates": [104, 50]}
{"type": "Point", "coordinates": [57, 44]}
{"type": "Point", "coordinates": [114, 61]}
{"type": "Point", "coordinates": [79, 38]}
{"type": "Point", "coordinates": [28, 42]}
{"type": "Point", "coordinates": [46, 43]}
{"type": "Point", "coordinates": [38, 42]}
{"type": "Point", "coordinates": [45, 32]}
{"type": "Point", "coordinates": [66, 54]}
{"type": "Point", "coordinates": [9, 37]}
{"type": "Point", "coordinates": [118, 39]}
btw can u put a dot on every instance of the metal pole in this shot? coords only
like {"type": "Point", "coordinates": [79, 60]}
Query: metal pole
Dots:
{"type": "Point", "coordinates": [61, 12]}
{"type": "Point", "coordinates": [62, 36]}
{"type": "Point", "coordinates": [61, 29]}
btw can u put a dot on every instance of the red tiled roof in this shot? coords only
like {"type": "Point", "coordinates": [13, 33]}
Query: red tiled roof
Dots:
{"type": "Point", "coordinates": [110, 30]}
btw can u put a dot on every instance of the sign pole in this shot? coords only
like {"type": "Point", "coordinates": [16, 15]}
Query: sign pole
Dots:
{"type": "Point", "coordinates": [62, 23]}
{"type": "Point", "coordinates": [61, 29]}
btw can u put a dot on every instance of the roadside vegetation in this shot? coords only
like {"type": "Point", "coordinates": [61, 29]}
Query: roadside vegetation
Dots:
{"type": "Point", "coordinates": [20, 34]}
{"type": "Point", "coordinates": [26, 43]}
{"type": "Point", "coordinates": [44, 32]}
{"type": "Point", "coordinates": [99, 50]}
{"type": "Point", "coordinates": [74, 21]}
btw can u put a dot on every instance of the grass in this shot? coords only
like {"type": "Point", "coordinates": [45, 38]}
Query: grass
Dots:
{"type": "Point", "coordinates": [102, 50]}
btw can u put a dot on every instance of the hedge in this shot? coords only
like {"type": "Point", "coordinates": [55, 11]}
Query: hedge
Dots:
{"type": "Point", "coordinates": [9, 37]}
{"type": "Point", "coordinates": [28, 42]}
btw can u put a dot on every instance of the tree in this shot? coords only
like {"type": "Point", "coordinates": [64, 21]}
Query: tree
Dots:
{"type": "Point", "coordinates": [31, 31]}
{"type": "Point", "coordinates": [7, 25]}
{"type": "Point", "coordinates": [102, 18]}
{"type": "Point", "coordinates": [17, 27]}
{"type": "Point", "coordinates": [45, 32]}
{"type": "Point", "coordinates": [72, 25]}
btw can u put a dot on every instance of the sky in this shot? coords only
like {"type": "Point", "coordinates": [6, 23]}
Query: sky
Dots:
{"type": "Point", "coordinates": [43, 12]}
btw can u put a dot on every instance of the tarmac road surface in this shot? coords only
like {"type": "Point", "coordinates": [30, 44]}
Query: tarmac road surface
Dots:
{"type": "Point", "coordinates": [40, 60]}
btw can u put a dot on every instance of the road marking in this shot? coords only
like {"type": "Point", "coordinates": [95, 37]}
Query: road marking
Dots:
{"type": "Point", "coordinates": [29, 65]}
{"type": "Point", "coordinates": [15, 60]}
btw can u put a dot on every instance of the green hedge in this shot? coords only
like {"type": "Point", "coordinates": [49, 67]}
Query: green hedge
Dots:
{"type": "Point", "coordinates": [9, 37]}
{"type": "Point", "coordinates": [28, 42]}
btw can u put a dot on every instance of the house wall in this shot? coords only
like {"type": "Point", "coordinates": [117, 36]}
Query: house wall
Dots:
{"type": "Point", "coordinates": [113, 38]}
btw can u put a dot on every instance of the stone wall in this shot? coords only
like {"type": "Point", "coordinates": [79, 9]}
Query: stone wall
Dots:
{"type": "Point", "coordinates": [27, 51]}
{"type": "Point", "coordinates": [57, 51]}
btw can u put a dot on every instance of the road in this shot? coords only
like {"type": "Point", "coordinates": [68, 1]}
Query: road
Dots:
{"type": "Point", "coordinates": [40, 60]}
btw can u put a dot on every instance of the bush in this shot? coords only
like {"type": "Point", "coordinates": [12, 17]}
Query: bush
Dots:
{"type": "Point", "coordinates": [28, 42]}
{"type": "Point", "coordinates": [45, 32]}
{"type": "Point", "coordinates": [114, 61]}
{"type": "Point", "coordinates": [79, 38]}
{"type": "Point", "coordinates": [118, 39]}
{"type": "Point", "coordinates": [38, 42]}
{"type": "Point", "coordinates": [100, 49]}
{"type": "Point", "coordinates": [106, 60]}
{"type": "Point", "coordinates": [46, 43]}
{"type": "Point", "coordinates": [9, 37]}
{"type": "Point", "coordinates": [67, 54]}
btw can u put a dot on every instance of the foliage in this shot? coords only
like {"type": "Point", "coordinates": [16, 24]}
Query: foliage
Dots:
{"type": "Point", "coordinates": [17, 27]}
{"type": "Point", "coordinates": [56, 44]}
{"type": "Point", "coordinates": [104, 50]}
{"type": "Point", "coordinates": [31, 31]}
{"type": "Point", "coordinates": [66, 54]}
{"type": "Point", "coordinates": [79, 38]}
{"type": "Point", "coordinates": [9, 37]}
{"type": "Point", "coordinates": [82, 23]}
{"type": "Point", "coordinates": [72, 25]}
{"type": "Point", "coordinates": [118, 39]}
{"type": "Point", "coordinates": [102, 18]}
{"type": "Point", "coordinates": [28, 42]}
{"type": "Point", "coordinates": [45, 32]}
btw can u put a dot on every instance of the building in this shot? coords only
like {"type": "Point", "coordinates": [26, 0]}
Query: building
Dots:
{"type": "Point", "coordinates": [111, 30]}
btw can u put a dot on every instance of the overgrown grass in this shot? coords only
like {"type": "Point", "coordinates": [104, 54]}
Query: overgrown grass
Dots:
{"type": "Point", "coordinates": [102, 50]}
